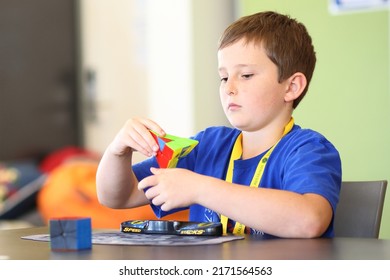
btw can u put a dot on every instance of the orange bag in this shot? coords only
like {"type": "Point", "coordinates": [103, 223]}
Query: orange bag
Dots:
{"type": "Point", "coordinates": [70, 191]}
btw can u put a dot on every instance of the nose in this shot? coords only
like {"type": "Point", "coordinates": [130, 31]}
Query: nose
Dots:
{"type": "Point", "coordinates": [230, 88]}
{"type": "Point", "coordinates": [231, 93]}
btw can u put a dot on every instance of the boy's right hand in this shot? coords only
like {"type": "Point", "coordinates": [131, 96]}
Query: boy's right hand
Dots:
{"type": "Point", "coordinates": [135, 136]}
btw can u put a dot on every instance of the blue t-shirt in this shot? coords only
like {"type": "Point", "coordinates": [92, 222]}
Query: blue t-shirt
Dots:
{"type": "Point", "coordinates": [304, 161]}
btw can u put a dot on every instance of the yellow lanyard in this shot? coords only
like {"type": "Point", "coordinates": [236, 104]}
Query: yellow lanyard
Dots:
{"type": "Point", "coordinates": [236, 154]}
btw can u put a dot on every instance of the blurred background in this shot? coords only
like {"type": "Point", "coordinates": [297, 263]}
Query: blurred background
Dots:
{"type": "Point", "coordinates": [73, 71]}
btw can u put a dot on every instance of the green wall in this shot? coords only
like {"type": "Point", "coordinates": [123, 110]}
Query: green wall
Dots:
{"type": "Point", "coordinates": [349, 97]}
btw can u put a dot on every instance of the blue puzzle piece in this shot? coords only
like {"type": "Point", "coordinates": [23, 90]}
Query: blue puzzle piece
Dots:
{"type": "Point", "coordinates": [70, 234]}
{"type": "Point", "coordinates": [161, 143]}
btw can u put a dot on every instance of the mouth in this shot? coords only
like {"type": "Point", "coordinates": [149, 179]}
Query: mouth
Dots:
{"type": "Point", "coordinates": [233, 106]}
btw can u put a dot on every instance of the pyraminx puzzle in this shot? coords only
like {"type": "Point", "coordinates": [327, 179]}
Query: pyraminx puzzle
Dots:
{"type": "Point", "coordinates": [172, 148]}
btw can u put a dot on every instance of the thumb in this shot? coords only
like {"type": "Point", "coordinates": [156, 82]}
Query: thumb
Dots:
{"type": "Point", "coordinates": [155, 170]}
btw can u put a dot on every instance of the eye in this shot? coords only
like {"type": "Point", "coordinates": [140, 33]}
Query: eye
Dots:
{"type": "Point", "coordinates": [223, 79]}
{"type": "Point", "coordinates": [247, 76]}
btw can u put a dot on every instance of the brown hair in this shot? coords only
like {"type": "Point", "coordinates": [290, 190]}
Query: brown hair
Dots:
{"type": "Point", "coordinates": [286, 41]}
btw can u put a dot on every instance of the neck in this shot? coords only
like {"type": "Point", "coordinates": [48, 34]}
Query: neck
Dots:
{"type": "Point", "coordinates": [257, 142]}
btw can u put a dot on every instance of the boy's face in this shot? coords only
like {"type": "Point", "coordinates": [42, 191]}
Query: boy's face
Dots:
{"type": "Point", "coordinates": [250, 93]}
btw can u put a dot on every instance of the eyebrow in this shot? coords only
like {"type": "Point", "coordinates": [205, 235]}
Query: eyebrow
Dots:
{"type": "Point", "coordinates": [238, 66]}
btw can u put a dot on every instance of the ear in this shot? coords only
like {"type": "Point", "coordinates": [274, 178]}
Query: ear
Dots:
{"type": "Point", "coordinates": [295, 86]}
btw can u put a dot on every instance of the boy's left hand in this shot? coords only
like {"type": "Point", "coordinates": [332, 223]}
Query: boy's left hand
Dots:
{"type": "Point", "coordinates": [170, 188]}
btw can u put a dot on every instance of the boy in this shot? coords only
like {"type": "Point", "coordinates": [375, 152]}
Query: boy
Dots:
{"type": "Point", "coordinates": [266, 62]}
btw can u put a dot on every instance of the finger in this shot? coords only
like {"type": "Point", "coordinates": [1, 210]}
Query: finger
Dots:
{"type": "Point", "coordinates": [151, 125]}
{"type": "Point", "coordinates": [142, 138]}
{"type": "Point", "coordinates": [165, 207]}
{"type": "Point", "coordinates": [143, 148]}
{"type": "Point", "coordinates": [157, 200]}
{"type": "Point", "coordinates": [162, 202]}
{"type": "Point", "coordinates": [125, 141]}
{"type": "Point", "coordinates": [151, 193]}
{"type": "Point", "coordinates": [156, 171]}
{"type": "Point", "coordinates": [147, 182]}
{"type": "Point", "coordinates": [137, 144]}
{"type": "Point", "coordinates": [148, 142]}
{"type": "Point", "coordinates": [133, 135]}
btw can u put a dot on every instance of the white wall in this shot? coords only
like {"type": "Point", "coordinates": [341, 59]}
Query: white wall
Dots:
{"type": "Point", "coordinates": [169, 49]}
{"type": "Point", "coordinates": [110, 48]}
{"type": "Point", "coordinates": [154, 59]}
{"type": "Point", "coordinates": [210, 18]}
